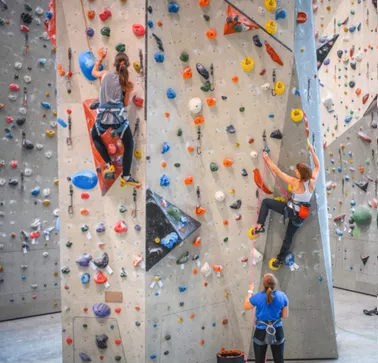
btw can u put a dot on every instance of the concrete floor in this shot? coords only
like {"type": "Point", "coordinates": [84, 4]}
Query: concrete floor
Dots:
{"type": "Point", "coordinates": [38, 339]}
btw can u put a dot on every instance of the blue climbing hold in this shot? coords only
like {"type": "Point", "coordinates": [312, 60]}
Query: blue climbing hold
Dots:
{"type": "Point", "coordinates": [85, 179]}
{"type": "Point", "coordinates": [289, 259]}
{"type": "Point", "coordinates": [170, 240]}
{"type": "Point", "coordinates": [49, 15]}
{"type": "Point", "coordinates": [101, 310]}
{"type": "Point", "coordinates": [42, 61]}
{"type": "Point", "coordinates": [153, 356]}
{"type": "Point", "coordinates": [35, 191]}
{"type": "Point", "coordinates": [155, 325]}
{"type": "Point", "coordinates": [46, 105]}
{"type": "Point", "coordinates": [173, 7]}
{"type": "Point", "coordinates": [182, 288]}
{"type": "Point", "coordinates": [159, 57]}
{"type": "Point", "coordinates": [352, 29]}
{"type": "Point", "coordinates": [346, 177]}
{"type": "Point", "coordinates": [327, 62]}
{"type": "Point", "coordinates": [164, 180]}
{"type": "Point", "coordinates": [271, 115]}
{"type": "Point", "coordinates": [165, 148]}
{"type": "Point", "coordinates": [352, 202]}
{"type": "Point", "coordinates": [23, 277]}
{"type": "Point", "coordinates": [150, 24]}
{"type": "Point", "coordinates": [348, 119]}
{"type": "Point", "coordinates": [214, 323]}
{"type": "Point", "coordinates": [320, 278]}
{"type": "Point", "coordinates": [296, 92]}
{"type": "Point", "coordinates": [280, 13]}
{"type": "Point", "coordinates": [57, 225]}
{"type": "Point", "coordinates": [184, 220]}
{"type": "Point", "coordinates": [85, 278]}
{"type": "Point", "coordinates": [171, 94]}
{"type": "Point", "coordinates": [61, 122]}
{"type": "Point", "coordinates": [339, 232]}
{"type": "Point", "coordinates": [87, 61]}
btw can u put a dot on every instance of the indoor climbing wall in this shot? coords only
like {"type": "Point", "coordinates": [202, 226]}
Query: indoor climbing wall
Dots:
{"type": "Point", "coordinates": [217, 96]}
{"type": "Point", "coordinates": [29, 250]}
{"type": "Point", "coordinates": [102, 225]}
{"type": "Point", "coordinates": [348, 74]}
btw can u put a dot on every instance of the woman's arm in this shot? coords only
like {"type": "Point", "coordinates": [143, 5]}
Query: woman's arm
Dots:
{"type": "Point", "coordinates": [276, 170]}
{"type": "Point", "coordinates": [285, 312]}
{"type": "Point", "coordinates": [126, 98]}
{"type": "Point", "coordinates": [96, 69]}
{"type": "Point", "coordinates": [247, 304]}
{"type": "Point", "coordinates": [315, 171]}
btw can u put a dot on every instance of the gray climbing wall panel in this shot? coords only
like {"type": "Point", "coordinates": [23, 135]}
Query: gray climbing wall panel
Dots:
{"type": "Point", "coordinates": [349, 85]}
{"type": "Point", "coordinates": [30, 282]}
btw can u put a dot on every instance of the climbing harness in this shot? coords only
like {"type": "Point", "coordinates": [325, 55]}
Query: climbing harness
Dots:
{"type": "Point", "coordinates": [199, 147]}
{"type": "Point", "coordinates": [70, 207]}
{"type": "Point", "coordinates": [69, 138]}
{"type": "Point", "coordinates": [274, 94]}
{"type": "Point", "coordinates": [270, 333]}
{"type": "Point", "coordinates": [135, 202]}
{"type": "Point", "coordinates": [212, 82]}
{"type": "Point", "coordinates": [118, 111]}
{"type": "Point", "coordinates": [25, 103]}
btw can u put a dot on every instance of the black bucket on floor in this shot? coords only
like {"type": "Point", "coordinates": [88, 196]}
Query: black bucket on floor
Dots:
{"type": "Point", "coordinates": [231, 356]}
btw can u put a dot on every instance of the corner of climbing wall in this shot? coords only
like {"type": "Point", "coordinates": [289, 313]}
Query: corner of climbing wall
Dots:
{"type": "Point", "coordinates": [29, 251]}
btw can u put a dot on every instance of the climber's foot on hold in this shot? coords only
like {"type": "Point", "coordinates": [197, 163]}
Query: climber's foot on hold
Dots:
{"type": "Point", "coordinates": [275, 263]}
{"type": "Point", "coordinates": [109, 172]}
{"type": "Point", "coordinates": [129, 180]}
{"type": "Point", "coordinates": [371, 312]}
{"type": "Point", "coordinates": [258, 229]}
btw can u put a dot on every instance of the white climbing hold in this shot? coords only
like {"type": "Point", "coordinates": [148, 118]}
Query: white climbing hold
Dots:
{"type": "Point", "coordinates": [219, 196]}
{"type": "Point", "coordinates": [329, 185]}
{"type": "Point", "coordinates": [265, 86]}
{"type": "Point", "coordinates": [18, 65]}
{"type": "Point", "coordinates": [206, 269]}
{"type": "Point", "coordinates": [39, 11]}
{"type": "Point", "coordinates": [22, 111]}
{"type": "Point", "coordinates": [36, 223]}
{"type": "Point", "coordinates": [27, 79]}
{"type": "Point", "coordinates": [56, 212]}
{"type": "Point", "coordinates": [34, 286]}
{"type": "Point", "coordinates": [39, 146]}
{"type": "Point", "coordinates": [38, 21]}
{"type": "Point", "coordinates": [45, 254]}
{"type": "Point", "coordinates": [261, 10]}
{"type": "Point", "coordinates": [45, 36]}
{"type": "Point", "coordinates": [53, 124]}
{"type": "Point", "coordinates": [48, 154]}
{"type": "Point", "coordinates": [1, 247]}
{"type": "Point", "coordinates": [2, 182]}
{"type": "Point", "coordinates": [28, 172]}
{"type": "Point", "coordinates": [12, 97]}
{"type": "Point", "coordinates": [254, 154]}
{"type": "Point", "coordinates": [46, 192]}
{"type": "Point", "coordinates": [328, 103]}
{"type": "Point", "coordinates": [359, 57]}
{"type": "Point", "coordinates": [195, 105]}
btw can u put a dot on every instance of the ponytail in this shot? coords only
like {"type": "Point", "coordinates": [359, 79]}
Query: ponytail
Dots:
{"type": "Point", "coordinates": [122, 63]}
{"type": "Point", "coordinates": [269, 296]}
{"type": "Point", "coordinates": [270, 284]}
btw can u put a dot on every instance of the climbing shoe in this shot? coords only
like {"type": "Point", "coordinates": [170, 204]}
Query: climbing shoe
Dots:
{"type": "Point", "coordinates": [371, 312]}
{"type": "Point", "coordinates": [109, 172]}
{"type": "Point", "coordinates": [130, 181]}
{"type": "Point", "coordinates": [258, 230]}
{"type": "Point", "coordinates": [277, 263]}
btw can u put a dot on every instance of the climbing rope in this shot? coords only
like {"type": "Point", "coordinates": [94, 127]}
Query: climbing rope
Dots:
{"type": "Point", "coordinates": [86, 24]}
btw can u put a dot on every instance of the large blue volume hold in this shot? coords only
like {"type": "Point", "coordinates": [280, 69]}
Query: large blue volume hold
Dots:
{"type": "Point", "coordinates": [85, 179]}
{"type": "Point", "coordinates": [87, 61]}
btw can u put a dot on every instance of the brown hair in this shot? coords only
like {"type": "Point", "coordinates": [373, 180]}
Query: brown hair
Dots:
{"type": "Point", "coordinates": [121, 63]}
{"type": "Point", "coordinates": [270, 283]}
{"type": "Point", "coordinates": [304, 171]}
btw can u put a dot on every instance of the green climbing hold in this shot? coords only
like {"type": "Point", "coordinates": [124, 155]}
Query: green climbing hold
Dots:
{"type": "Point", "coordinates": [225, 239]}
{"type": "Point", "coordinates": [206, 86]}
{"type": "Point", "coordinates": [206, 17]}
{"type": "Point", "coordinates": [120, 48]}
{"type": "Point", "coordinates": [175, 213]}
{"type": "Point", "coordinates": [339, 23]}
{"type": "Point", "coordinates": [352, 12]}
{"type": "Point", "coordinates": [213, 167]}
{"type": "Point", "coordinates": [242, 109]}
{"type": "Point", "coordinates": [122, 209]}
{"type": "Point", "coordinates": [28, 7]}
{"type": "Point", "coordinates": [85, 326]}
{"type": "Point", "coordinates": [362, 216]}
{"type": "Point", "coordinates": [184, 57]}
{"type": "Point", "coordinates": [117, 358]}
{"type": "Point", "coordinates": [2, 21]}
{"type": "Point", "coordinates": [367, 162]}
{"type": "Point", "coordinates": [177, 165]}
{"type": "Point", "coordinates": [68, 244]}
{"type": "Point", "coordinates": [105, 31]}
{"type": "Point", "coordinates": [238, 28]}
{"type": "Point", "coordinates": [179, 132]}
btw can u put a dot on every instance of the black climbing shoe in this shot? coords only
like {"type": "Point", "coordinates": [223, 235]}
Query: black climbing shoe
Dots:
{"type": "Point", "coordinates": [277, 263]}
{"type": "Point", "coordinates": [258, 230]}
{"type": "Point", "coordinates": [371, 312]}
{"type": "Point", "coordinates": [94, 105]}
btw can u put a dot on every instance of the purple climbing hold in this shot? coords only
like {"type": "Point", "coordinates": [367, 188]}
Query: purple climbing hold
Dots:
{"type": "Point", "coordinates": [101, 310]}
{"type": "Point", "coordinates": [84, 260]}
{"type": "Point", "coordinates": [85, 357]}
{"type": "Point", "coordinates": [327, 62]}
{"type": "Point", "coordinates": [90, 32]}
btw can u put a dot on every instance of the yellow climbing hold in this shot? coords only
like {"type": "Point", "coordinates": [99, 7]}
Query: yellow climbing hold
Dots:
{"type": "Point", "coordinates": [248, 64]}
{"type": "Point", "coordinates": [157, 240]}
{"type": "Point", "coordinates": [50, 133]}
{"type": "Point", "coordinates": [226, 294]}
{"type": "Point", "coordinates": [55, 113]}
{"type": "Point", "coordinates": [138, 153]}
{"type": "Point", "coordinates": [136, 66]}
{"type": "Point", "coordinates": [46, 202]}
{"type": "Point", "coordinates": [297, 115]}
{"type": "Point", "coordinates": [56, 181]}
{"type": "Point", "coordinates": [271, 5]}
{"type": "Point", "coordinates": [271, 27]}
{"type": "Point", "coordinates": [179, 320]}
{"type": "Point", "coordinates": [271, 265]}
{"type": "Point", "coordinates": [251, 235]}
{"type": "Point", "coordinates": [279, 88]}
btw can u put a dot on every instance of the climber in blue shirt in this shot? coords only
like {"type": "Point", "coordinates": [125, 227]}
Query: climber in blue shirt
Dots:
{"type": "Point", "coordinates": [271, 306]}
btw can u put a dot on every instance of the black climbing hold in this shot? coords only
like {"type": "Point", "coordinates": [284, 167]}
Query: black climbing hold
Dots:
{"type": "Point", "coordinates": [20, 120]}
{"type": "Point", "coordinates": [117, 358]}
{"type": "Point", "coordinates": [181, 303]}
{"type": "Point", "coordinates": [242, 109]}
{"type": "Point", "coordinates": [98, 169]}
{"type": "Point", "coordinates": [244, 172]}
{"type": "Point", "coordinates": [206, 17]}
{"type": "Point", "coordinates": [94, 105]}
{"type": "Point", "coordinates": [102, 261]}
{"type": "Point", "coordinates": [137, 323]}
{"type": "Point", "coordinates": [28, 7]}
{"type": "Point", "coordinates": [26, 18]}
{"type": "Point", "coordinates": [351, 220]}
{"type": "Point", "coordinates": [359, 27]}
{"type": "Point", "coordinates": [236, 205]}
{"type": "Point", "coordinates": [224, 98]}
{"type": "Point", "coordinates": [29, 68]}
{"type": "Point", "coordinates": [177, 165]}
{"type": "Point", "coordinates": [16, 76]}
{"type": "Point", "coordinates": [49, 84]}
{"type": "Point", "coordinates": [166, 352]}
{"type": "Point", "coordinates": [148, 158]}
{"type": "Point", "coordinates": [230, 129]}
{"type": "Point", "coordinates": [167, 337]}
{"type": "Point", "coordinates": [362, 185]}
{"type": "Point", "coordinates": [149, 9]}
{"type": "Point", "coordinates": [202, 327]}
{"type": "Point", "coordinates": [353, 65]}
{"type": "Point", "coordinates": [229, 19]}
{"type": "Point", "coordinates": [13, 182]}
{"type": "Point", "coordinates": [364, 259]}
{"type": "Point", "coordinates": [238, 28]}
{"type": "Point", "coordinates": [101, 341]}
{"type": "Point", "coordinates": [276, 134]}
{"type": "Point", "coordinates": [352, 84]}
{"type": "Point", "coordinates": [340, 53]}
{"type": "Point", "coordinates": [184, 57]}
{"type": "Point", "coordinates": [179, 132]}
{"type": "Point", "coordinates": [85, 357]}
{"type": "Point", "coordinates": [158, 42]}
{"type": "Point", "coordinates": [202, 71]}
{"type": "Point", "coordinates": [257, 41]}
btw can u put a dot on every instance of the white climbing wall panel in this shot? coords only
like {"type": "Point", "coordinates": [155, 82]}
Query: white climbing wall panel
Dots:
{"type": "Point", "coordinates": [125, 325]}
{"type": "Point", "coordinates": [349, 76]}
{"type": "Point", "coordinates": [29, 277]}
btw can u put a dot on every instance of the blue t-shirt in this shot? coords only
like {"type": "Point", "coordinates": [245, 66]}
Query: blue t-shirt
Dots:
{"type": "Point", "coordinates": [265, 311]}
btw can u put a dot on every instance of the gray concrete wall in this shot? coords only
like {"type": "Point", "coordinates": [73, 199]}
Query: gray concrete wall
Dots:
{"type": "Point", "coordinates": [39, 291]}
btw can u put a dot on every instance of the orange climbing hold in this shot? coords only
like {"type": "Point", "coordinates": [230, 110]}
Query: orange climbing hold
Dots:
{"type": "Point", "coordinates": [259, 182]}
{"type": "Point", "coordinates": [225, 222]}
{"type": "Point", "coordinates": [187, 74]}
{"type": "Point", "coordinates": [190, 149]}
{"type": "Point", "coordinates": [166, 114]}
{"type": "Point", "coordinates": [227, 162]}
{"type": "Point", "coordinates": [361, 170]}
{"type": "Point", "coordinates": [191, 316]}
{"type": "Point", "coordinates": [211, 101]}
{"type": "Point", "coordinates": [205, 284]}
{"type": "Point", "coordinates": [211, 33]}
{"type": "Point", "coordinates": [235, 79]}
{"type": "Point", "coordinates": [204, 2]}
{"type": "Point", "coordinates": [301, 17]}
{"type": "Point", "coordinates": [200, 211]}
{"type": "Point", "coordinates": [84, 212]}
{"type": "Point", "coordinates": [275, 57]}
{"type": "Point", "coordinates": [199, 120]}
{"type": "Point", "coordinates": [91, 14]}
{"type": "Point", "coordinates": [225, 321]}
{"type": "Point", "coordinates": [358, 91]}
{"type": "Point", "coordinates": [163, 164]}
{"type": "Point", "coordinates": [202, 342]}
{"type": "Point", "coordinates": [188, 180]}
{"type": "Point", "coordinates": [197, 242]}
{"type": "Point", "coordinates": [218, 268]}
{"type": "Point", "coordinates": [365, 98]}
{"type": "Point", "coordinates": [159, 23]}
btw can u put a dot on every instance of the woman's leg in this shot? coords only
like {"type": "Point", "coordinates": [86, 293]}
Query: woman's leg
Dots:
{"type": "Point", "coordinates": [128, 147]}
{"type": "Point", "coordinates": [97, 141]}
{"type": "Point", "coordinates": [268, 204]}
{"type": "Point", "coordinates": [288, 240]}
{"type": "Point", "coordinates": [260, 352]}
{"type": "Point", "coordinates": [278, 352]}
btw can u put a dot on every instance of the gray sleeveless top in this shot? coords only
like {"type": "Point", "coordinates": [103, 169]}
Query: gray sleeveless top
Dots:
{"type": "Point", "coordinates": [111, 93]}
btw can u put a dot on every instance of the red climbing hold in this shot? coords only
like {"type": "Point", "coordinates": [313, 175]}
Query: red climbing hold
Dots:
{"type": "Point", "coordinates": [117, 342]}
{"type": "Point", "coordinates": [85, 195]}
{"type": "Point", "coordinates": [120, 227]}
{"type": "Point", "coordinates": [301, 17]}
{"type": "Point", "coordinates": [364, 137]}
{"type": "Point", "coordinates": [14, 87]}
{"type": "Point", "coordinates": [259, 182]}
{"type": "Point", "coordinates": [8, 119]}
{"type": "Point", "coordinates": [275, 57]}
{"type": "Point", "coordinates": [100, 278]}
{"type": "Point", "coordinates": [365, 98]}
{"type": "Point", "coordinates": [138, 30]}
{"type": "Point", "coordinates": [68, 340]}
{"type": "Point", "coordinates": [117, 310]}
{"type": "Point", "coordinates": [105, 14]}
{"type": "Point", "coordinates": [138, 102]}
{"type": "Point", "coordinates": [24, 29]}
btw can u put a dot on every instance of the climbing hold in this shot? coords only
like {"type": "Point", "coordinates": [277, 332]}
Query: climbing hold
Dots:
{"type": "Point", "coordinates": [257, 41]}
{"type": "Point", "coordinates": [203, 2]}
{"type": "Point", "coordinates": [14, 87]}
{"type": "Point", "coordinates": [87, 61]}
{"type": "Point", "coordinates": [26, 18]}
{"type": "Point", "coordinates": [188, 180]}
{"type": "Point", "coordinates": [297, 115]}
{"type": "Point", "coordinates": [138, 101]}
{"type": "Point", "coordinates": [173, 7]}
{"type": "Point", "coordinates": [275, 57]}
{"type": "Point", "coordinates": [271, 27]}
{"type": "Point", "coordinates": [202, 71]}
{"type": "Point", "coordinates": [120, 48]}
{"type": "Point", "coordinates": [280, 13]}
{"type": "Point", "coordinates": [120, 227]}
{"type": "Point", "coordinates": [105, 31]}
{"type": "Point", "coordinates": [171, 94]}
{"type": "Point", "coordinates": [301, 17]}
{"type": "Point", "coordinates": [227, 162]}
{"type": "Point", "coordinates": [270, 5]}
{"type": "Point", "coordinates": [184, 57]}
{"type": "Point", "coordinates": [279, 88]}
{"type": "Point", "coordinates": [364, 137]}
{"type": "Point", "coordinates": [170, 240]}
{"type": "Point", "coordinates": [195, 105]}
{"type": "Point", "coordinates": [85, 357]}
{"type": "Point", "coordinates": [85, 179]}
{"type": "Point", "coordinates": [259, 183]}
{"type": "Point", "coordinates": [362, 215]}
{"type": "Point", "coordinates": [230, 129]}
{"type": "Point", "coordinates": [206, 86]}
{"type": "Point", "coordinates": [244, 172]}
{"type": "Point", "coordinates": [236, 205]}
{"type": "Point", "coordinates": [105, 14]}
{"type": "Point", "coordinates": [84, 260]}
{"type": "Point", "coordinates": [164, 180]}
{"type": "Point", "coordinates": [159, 57]}
{"type": "Point", "coordinates": [254, 154]}
{"type": "Point", "coordinates": [213, 167]}
{"type": "Point", "coordinates": [138, 30]}
{"type": "Point", "coordinates": [365, 98]}
{"type": "Point", "coordinates": [165, 148]}
{"type": "Point", "coordinates": [187, 73]}
{"type": "Point", "coordinates": [199, 120]}
{"type": "Point", "coordinates": [219, 196]}
{"type": "Point", "coordinates": [211, 33]}
{"type": "Point", "coordinates": [90, 32]}
{"type": "Point", "coordinates": [248, 64]}
{"type": "Point", "coordinates": [100, 278]}
{"type": "Point", "coordinates": [91, 14]}
{"type": "Point", "coordinates": [101, 341]}
{"type": "Point", "coordinates": [276, 134]}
